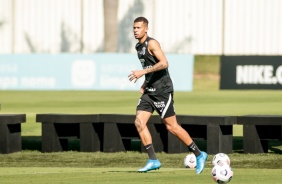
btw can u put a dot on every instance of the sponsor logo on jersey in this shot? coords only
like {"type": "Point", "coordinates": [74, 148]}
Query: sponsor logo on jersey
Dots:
{"type": "Point", "coordinates": [151, 89]}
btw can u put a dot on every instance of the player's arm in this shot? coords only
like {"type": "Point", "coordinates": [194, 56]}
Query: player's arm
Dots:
{"type": "Point", "coordinates": [155, 50]}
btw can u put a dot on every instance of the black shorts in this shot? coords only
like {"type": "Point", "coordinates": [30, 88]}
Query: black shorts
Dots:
{"type": "Point", "coordinates": [163, 104]}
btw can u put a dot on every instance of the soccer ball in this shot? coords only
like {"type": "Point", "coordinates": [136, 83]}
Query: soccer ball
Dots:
{"type": "Point", "coordinates": [190, 161]}
{"type": "Point", "coordinates": [220, 159]}
{"type": "Point", "coordinates": [222, 173]}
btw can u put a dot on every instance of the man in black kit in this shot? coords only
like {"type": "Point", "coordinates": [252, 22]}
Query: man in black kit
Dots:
{"type": "Point", "coordinates": [157, 94]}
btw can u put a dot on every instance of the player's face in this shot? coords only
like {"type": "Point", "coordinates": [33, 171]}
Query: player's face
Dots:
{"type": "Point", "coordinates": [139, 29]}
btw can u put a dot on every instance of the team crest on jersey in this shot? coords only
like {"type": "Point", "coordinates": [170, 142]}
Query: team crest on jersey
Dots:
{"type": "Point", "coordinates": [143, 51]}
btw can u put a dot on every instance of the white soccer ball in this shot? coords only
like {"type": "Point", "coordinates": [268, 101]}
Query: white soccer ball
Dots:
{"type": "Point", "coordinates": [190, 161]}
{"type": "Point", "coordinates": [220, 159]}
{"type": "Point", "coordinates": [222, 174]}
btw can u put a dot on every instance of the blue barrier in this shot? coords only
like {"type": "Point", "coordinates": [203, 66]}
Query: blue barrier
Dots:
{"type": "Point", "coordinates": [99, 71]}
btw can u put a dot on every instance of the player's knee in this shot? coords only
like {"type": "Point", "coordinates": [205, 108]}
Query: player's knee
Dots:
{"type": "Point", "coordinates": [139, 125]}
{"type": "Point", "coordinates": [171, 128]}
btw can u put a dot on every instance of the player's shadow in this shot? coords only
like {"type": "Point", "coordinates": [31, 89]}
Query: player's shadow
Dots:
{"type": "Point", "coordinates": [151, 172]}
{"type": "Point", "coordinates": [123, 171]}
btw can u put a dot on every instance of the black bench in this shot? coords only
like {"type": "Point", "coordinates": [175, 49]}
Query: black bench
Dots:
{"type": "Point", "coordinates": [258, 129]}
{"type": "Point", "coordinates": [57, 128]}
{"type": "Point", "coordinates": [119, 130]}
{"type": "Point", "coordinates": [115, 132]}
{"type": "Point", "coordinates": [97, 132]}
{"type": "Point", "coordinates": [216, 130]}
{"type": "Point", "coordinates": [10, 132]}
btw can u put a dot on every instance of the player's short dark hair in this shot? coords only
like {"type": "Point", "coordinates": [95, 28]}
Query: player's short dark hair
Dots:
{"type": "Point", "coordinates": [142, 19]}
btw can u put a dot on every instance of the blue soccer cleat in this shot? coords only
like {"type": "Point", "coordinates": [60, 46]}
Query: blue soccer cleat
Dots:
{"type": "Point", "coordinates": [201, 161]}
{"type": "Point", "coordinates": [151, 165]}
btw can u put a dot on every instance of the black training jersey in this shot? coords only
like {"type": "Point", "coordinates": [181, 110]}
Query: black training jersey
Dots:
{"type": "Point", "coordinates": [157, 82]}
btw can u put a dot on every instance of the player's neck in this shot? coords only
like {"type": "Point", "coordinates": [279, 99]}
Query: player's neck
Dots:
{"type": "Point", "coordinates": [142, 40]}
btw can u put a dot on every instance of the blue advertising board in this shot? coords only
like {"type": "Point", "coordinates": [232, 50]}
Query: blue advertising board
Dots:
{"type": "Point", "coordinates": [99, 71]}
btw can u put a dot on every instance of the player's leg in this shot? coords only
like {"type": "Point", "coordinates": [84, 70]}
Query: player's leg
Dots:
{"type": "Point", "coordinates": [173, 127]}
{"type": "Point", "coordinates": [141, 120]}
{"type": "Point", "coordinates": [144, 112]}
{"type": "Point", "coordinates": [168, 115]}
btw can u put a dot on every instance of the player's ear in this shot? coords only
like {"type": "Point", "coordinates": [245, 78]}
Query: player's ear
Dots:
{"type": "Point", "coordinates": [146, 29]}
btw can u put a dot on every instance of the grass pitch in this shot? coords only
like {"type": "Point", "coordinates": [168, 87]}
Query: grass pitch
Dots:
{"type": "Point", "coordinates": [79, 167]}
{"type": "Point", "coordinates": [57, 175]}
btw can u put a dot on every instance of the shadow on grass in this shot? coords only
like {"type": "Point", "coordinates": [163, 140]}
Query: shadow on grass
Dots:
{"type": "Point", "coordinates": [35, 142]}
{"type": "Point", "coordinates": [125, 172]}
{"type": "Point", "coordinates": [274, 146]}
{"type": "Point", "coordinates": [238, 144]}
{"type": "Point", "coordinates": [31, 143]}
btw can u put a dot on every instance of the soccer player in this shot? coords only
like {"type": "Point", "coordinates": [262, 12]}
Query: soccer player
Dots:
{"type": "Point", "coordinates": [157, 94]}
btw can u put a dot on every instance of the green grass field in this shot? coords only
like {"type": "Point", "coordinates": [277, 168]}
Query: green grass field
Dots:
{"type": "Point", "coordinates": [128, 175]}
{"type": "Point", "coordinates": [32, 166]}
{"type": "Point", "coordinates": [78, 167]}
